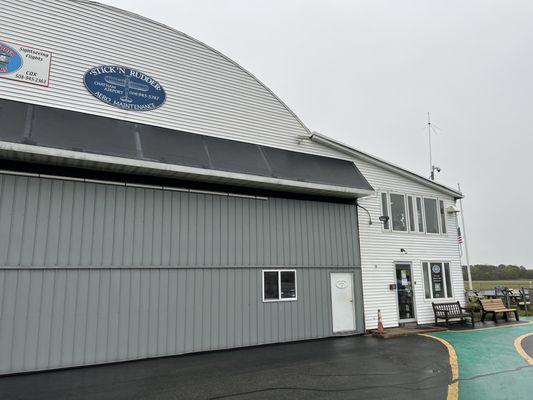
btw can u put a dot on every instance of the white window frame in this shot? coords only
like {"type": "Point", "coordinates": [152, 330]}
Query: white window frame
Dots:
{"type": "Point", "coordinates": [279, 271]}
{"type": "Point", "coordinates": [422, 211]}
{"type": "Point", "coordinates": [389, 229]}
{"type": "Point", "coordinates": [391, 226]}
{"type": "Point", "coordinates": [438, 216]}
{"type": "Point", "coordinates": [414, 196]}
{"type": "Point", "coordinates": [447, 296]}
{"type": "Point", "coordinates": [441, 216]}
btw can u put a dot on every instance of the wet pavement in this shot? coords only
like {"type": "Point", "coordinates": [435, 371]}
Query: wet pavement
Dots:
{"type": "Point", "coordinates": [490, 364]}
{"type": "Point", "coordinates": [356, 367]}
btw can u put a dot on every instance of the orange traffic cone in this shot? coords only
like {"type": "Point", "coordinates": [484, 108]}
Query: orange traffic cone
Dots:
{"type": "Point", "coordinates": [380, 323]}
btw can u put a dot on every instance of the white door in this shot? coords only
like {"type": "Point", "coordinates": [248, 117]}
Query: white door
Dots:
{"type": "Point", "coordinates": [342, 306]}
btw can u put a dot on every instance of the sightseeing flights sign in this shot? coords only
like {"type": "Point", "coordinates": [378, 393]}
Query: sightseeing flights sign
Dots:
{"type": "Point", "coordinates": [124, 88]}
{"type": "Point", "coordinates": [25, 64]}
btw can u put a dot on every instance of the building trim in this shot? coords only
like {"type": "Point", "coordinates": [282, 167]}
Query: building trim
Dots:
{"type": "Point", "coordinates": [346, 149]}
{"type": "Point", "coordinates": [25, 152]}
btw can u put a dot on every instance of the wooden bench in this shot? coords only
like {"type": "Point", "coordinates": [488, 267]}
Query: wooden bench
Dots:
{"type": "Point", "coordinates": [496, 306]}
{"type": "Point", "coordinates": [453, 310]}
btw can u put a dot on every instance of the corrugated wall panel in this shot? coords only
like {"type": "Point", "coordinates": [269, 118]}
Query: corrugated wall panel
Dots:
{"type": "Point", "coordinates": [93, 273]}
{"type": "Point", "coordinates": [206, 93]}
{"type": "Point", "coordinates": [54, 318]}
{"type": "Point", "coordinates": [56, 223]}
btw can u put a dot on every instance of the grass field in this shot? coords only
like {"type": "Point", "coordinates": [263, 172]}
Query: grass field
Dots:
{"type": "Point", "coordinates": [491, 284]}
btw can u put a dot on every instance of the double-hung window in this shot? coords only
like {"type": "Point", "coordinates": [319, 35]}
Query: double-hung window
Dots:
{"type": "Point", "coordinates": [432, 217]}
{"type": "Point", "coordinates": [398, 212]}
{"type": "Point", "coordinates": [279, 285]}
{"type": "Point", "coordinates": [437, 280]}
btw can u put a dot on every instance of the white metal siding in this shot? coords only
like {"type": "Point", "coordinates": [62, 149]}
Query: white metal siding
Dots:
{"type": "Point", "coordinates": [206, 92]}
{"type": "Point", "coordinates": [380, 249]}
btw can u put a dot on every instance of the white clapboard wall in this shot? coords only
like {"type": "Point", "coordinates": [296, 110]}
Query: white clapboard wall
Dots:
{"type": "Point", "coordinates": [381, 249]}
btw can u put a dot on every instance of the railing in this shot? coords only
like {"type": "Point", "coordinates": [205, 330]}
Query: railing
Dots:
{"type": "Point", "coordinates": [510, 297]}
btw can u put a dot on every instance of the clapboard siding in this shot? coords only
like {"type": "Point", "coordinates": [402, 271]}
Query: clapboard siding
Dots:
{"type": "Point", "coordinates": [58, 223]}
{"type": "Point", "coordinates": [380, 249]}
{"type": "Point", "coordinates": [206, 92]}
{"type": "Point", "coordinates": [51, 318]}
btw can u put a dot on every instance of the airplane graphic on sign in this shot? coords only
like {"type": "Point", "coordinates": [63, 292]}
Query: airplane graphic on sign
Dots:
{"type": "Point", "coordinates": [127, 84]}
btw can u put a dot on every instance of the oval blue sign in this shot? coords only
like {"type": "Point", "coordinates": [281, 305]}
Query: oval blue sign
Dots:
{"type": "Point", "coordinates": [10, 59]}
{"type": "Point", "coordinates": [124, 88]}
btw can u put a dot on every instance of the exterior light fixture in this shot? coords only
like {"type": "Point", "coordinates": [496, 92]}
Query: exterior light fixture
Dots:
{"type": "Point", "coordinates": [452, 210]}
{"type": "Point", "coordinates": [384, 219]}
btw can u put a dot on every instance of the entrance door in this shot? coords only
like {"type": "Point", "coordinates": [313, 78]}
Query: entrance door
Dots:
{"type": "Point", "coordinates": [342, 307]}
{"type": "Point", "coordinates": [404, 285]}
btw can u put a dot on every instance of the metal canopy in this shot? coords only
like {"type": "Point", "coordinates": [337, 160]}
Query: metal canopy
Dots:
{"type": "Point", "coordinates": [36, 133]}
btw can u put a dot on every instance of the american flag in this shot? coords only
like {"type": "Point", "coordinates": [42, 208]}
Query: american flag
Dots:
{"type": "Point", "coordinates": [459, 236]}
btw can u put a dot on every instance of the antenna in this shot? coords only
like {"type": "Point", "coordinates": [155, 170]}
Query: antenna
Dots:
{"type": "Point", "coordinates": [432, 168]}
{"type": "Point", "coordinates": [430, 156]}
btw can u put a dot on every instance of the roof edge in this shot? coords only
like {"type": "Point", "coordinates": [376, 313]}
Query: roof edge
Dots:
{"type": "Point", "coordinates": [63, 157]}
{"type": "Point", "coordinates": [165, 26]}
{"type": "Point", "coordinates": [344, 148]}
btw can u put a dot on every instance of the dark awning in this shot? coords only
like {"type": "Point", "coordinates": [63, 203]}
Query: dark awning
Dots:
{"type": "Point", "coordinates": [61, 137]}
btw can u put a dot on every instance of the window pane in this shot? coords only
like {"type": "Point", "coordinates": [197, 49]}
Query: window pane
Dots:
{"type": "Point", "coordinates": [427, 286]}
{"type": "Point", "coordinates": [397, 207]}
{"type": "Point", "coordinates": [442, 216]}
{"type": "Point", "coordinates": [385, 209]}
{"type": "Point", "coordinates": [437, 282]}
{"type": "Point", "coordinates": [419, 215]}
{"type": "Point", "coordinates": [411, 213]}
{"type": "Point", "coordinates": [271, 285]}
{"type": "Point", "coordinates": [288, 284]}
{"type": "Point", "coordinates": [430, 208]}
{"type": "Point", "coordinates": [448, 280]}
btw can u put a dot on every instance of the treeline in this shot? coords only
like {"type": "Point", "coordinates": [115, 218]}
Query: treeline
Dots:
{"type": "Point", "coordinates": [482, 272]}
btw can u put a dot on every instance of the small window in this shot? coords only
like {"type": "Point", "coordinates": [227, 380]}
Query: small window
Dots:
{"type": "Point", "coordinates": [398, 214]}
{"type": "Point", "coordinates": [419, 215]}
{"type": "Point", "coordinates": [442, 216]}
{"type": "Point", "coordinates": [437, 280]}
{"type": "Point", "coordinates": [432, 221]}
{"type": "Point", "coordinates": [279, 285]}
{"type": "Point", "coordinates": [411, 213]}
{"type": "Point", "coordinates": [385, 209]}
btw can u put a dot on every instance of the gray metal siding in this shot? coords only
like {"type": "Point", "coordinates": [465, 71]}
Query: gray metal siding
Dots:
{"type": "Point", "coordinates": [56, 223]}
{"type": "Point", "coordinates": [52, 318]}
{"type": "Point", "coordinates": [93, 273]}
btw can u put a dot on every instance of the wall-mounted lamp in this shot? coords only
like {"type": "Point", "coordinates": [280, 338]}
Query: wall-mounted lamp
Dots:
{"type": "Point", "coordinates": [452, 210]}
{"type": "Point", "coordinates": [384, 219]}
{"type": "Point", "coordinates": [403, 251]}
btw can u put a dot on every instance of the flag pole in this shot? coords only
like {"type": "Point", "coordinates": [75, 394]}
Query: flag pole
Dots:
{"type": "Point", "coordinates": [470, 286]}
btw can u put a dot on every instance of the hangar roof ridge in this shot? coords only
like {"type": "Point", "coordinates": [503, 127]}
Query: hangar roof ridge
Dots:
{"type": "Point", "coordinates": [165, 26]}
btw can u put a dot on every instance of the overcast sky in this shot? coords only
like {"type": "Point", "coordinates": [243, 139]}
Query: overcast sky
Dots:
{"type": "Point", "coordinates": [367, 73]}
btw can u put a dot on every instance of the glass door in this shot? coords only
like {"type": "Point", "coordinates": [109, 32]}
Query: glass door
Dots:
{"type": "Point", "coordinates": [404, 286]}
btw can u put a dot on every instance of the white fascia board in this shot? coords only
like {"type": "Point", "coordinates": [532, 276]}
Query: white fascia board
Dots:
{"type": "Point", "coordinates": [27, 152]}
{"type": "Point", "coordinates": [346, 149]}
